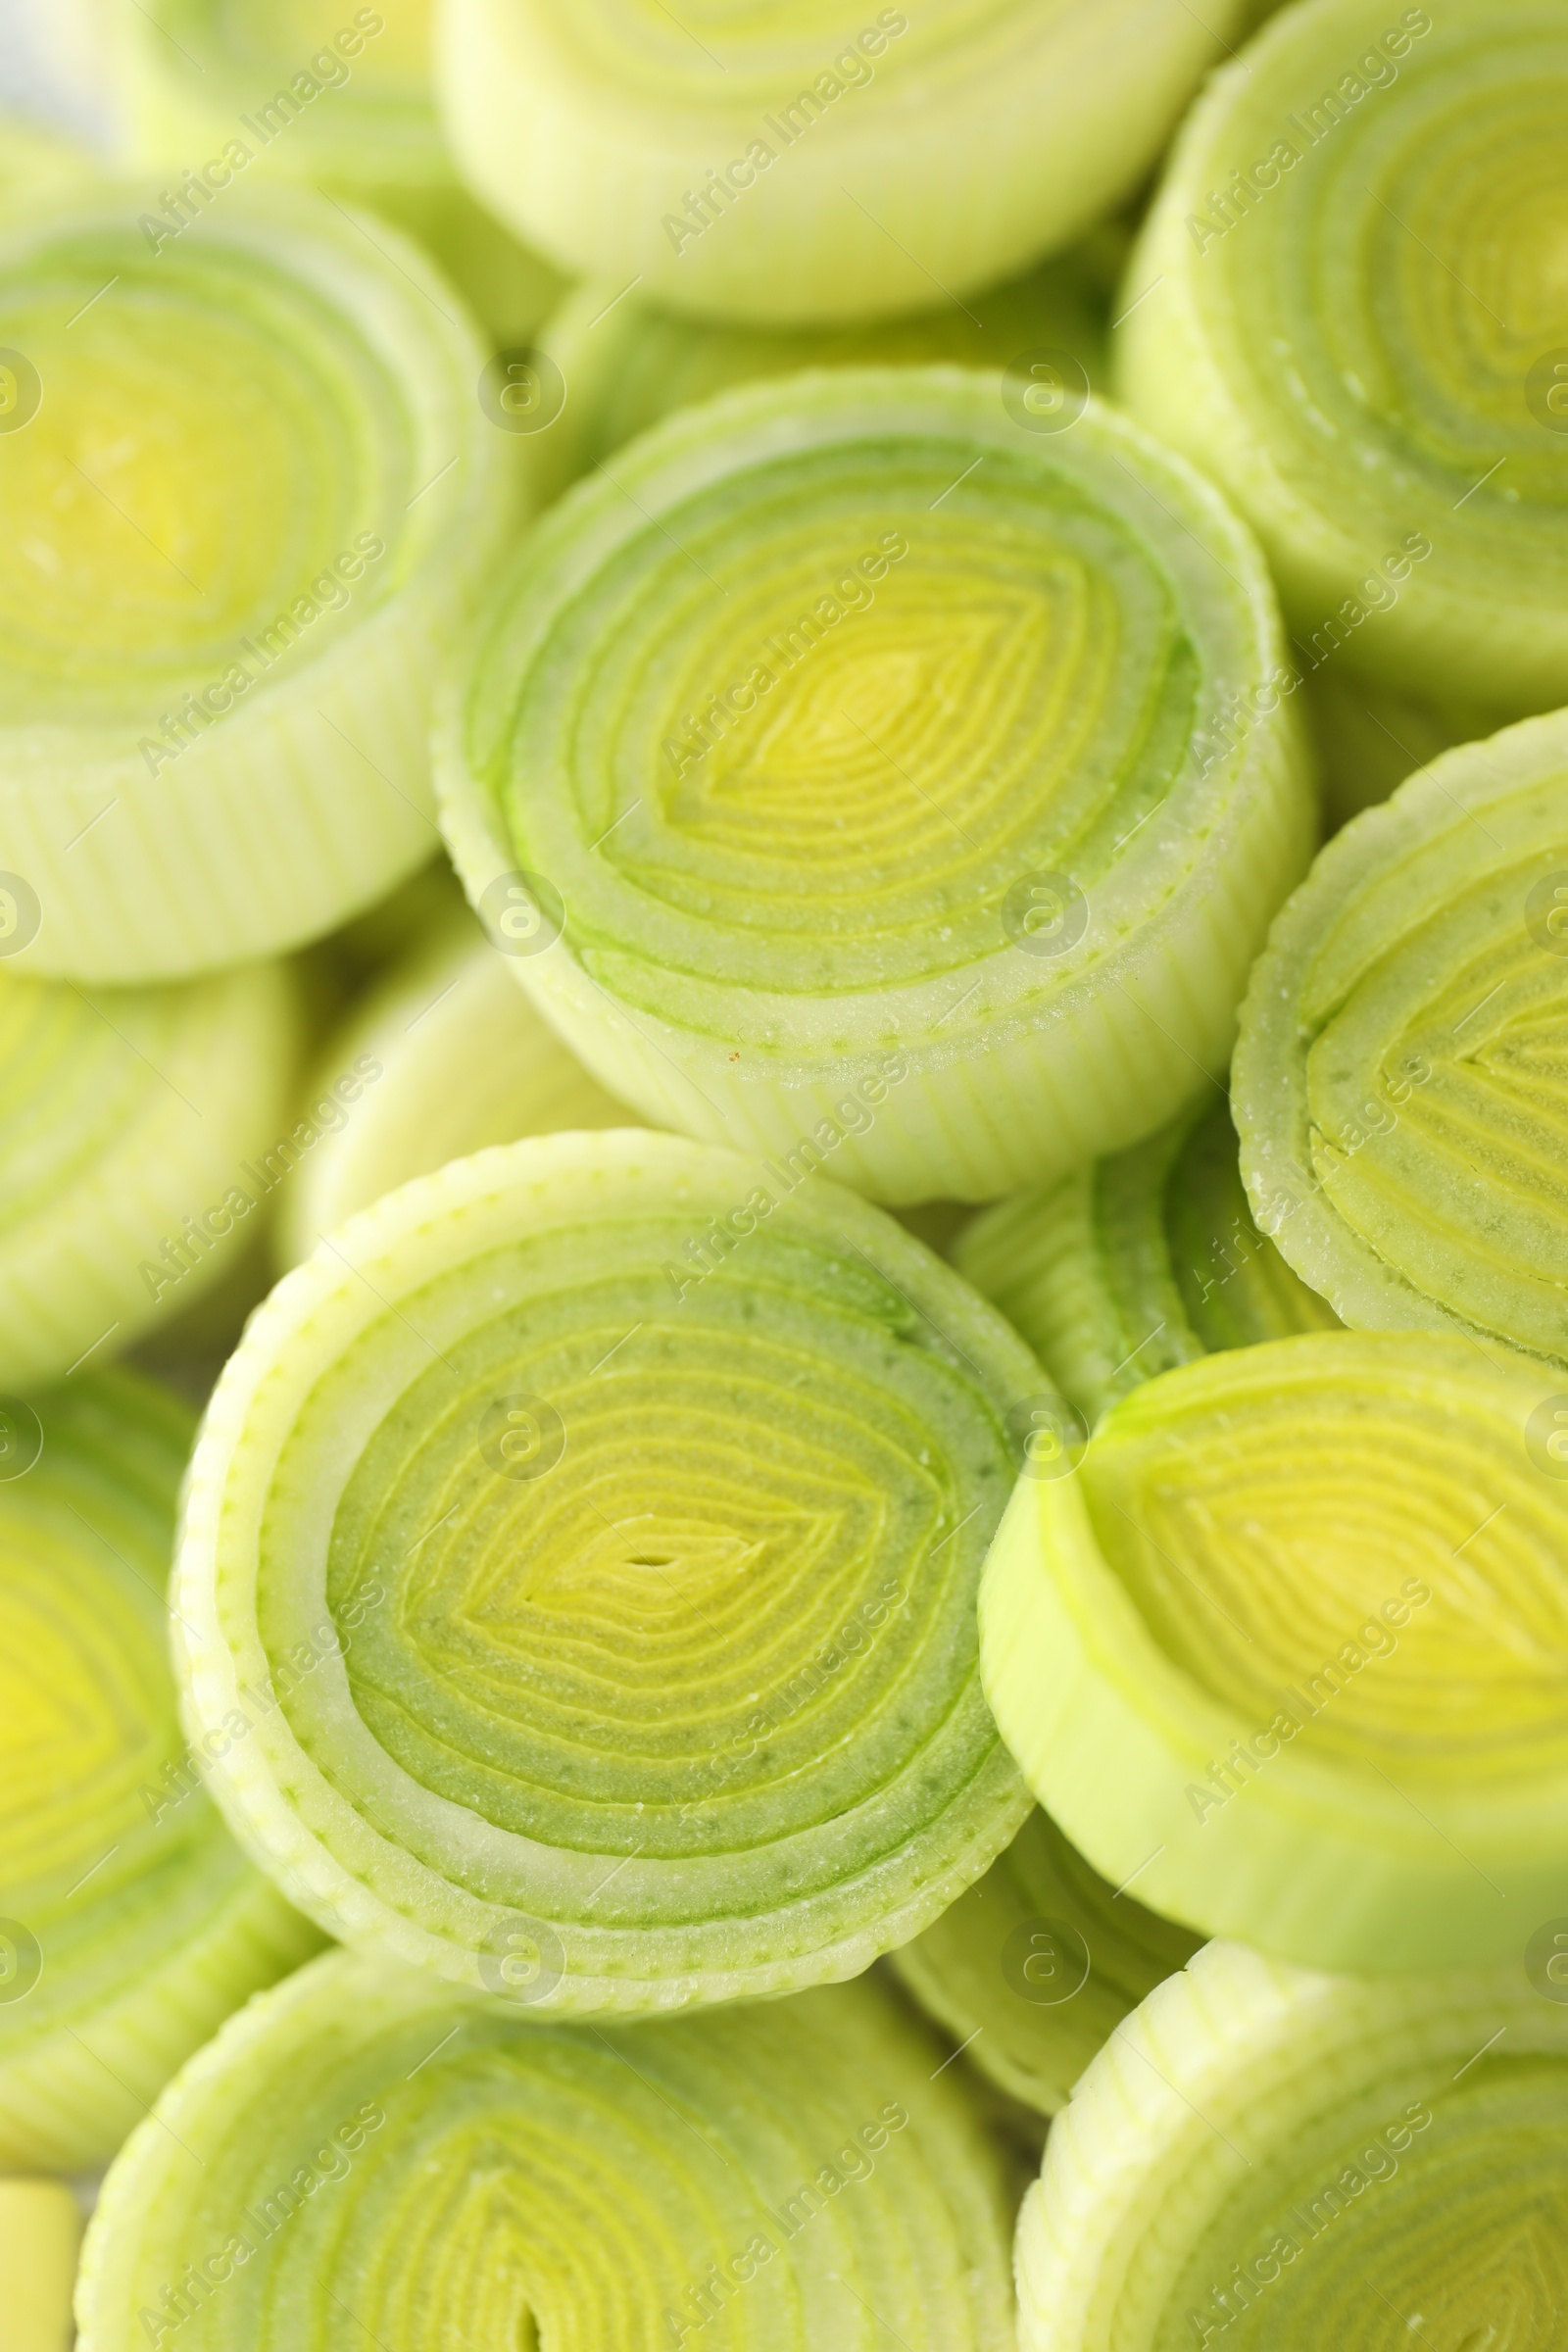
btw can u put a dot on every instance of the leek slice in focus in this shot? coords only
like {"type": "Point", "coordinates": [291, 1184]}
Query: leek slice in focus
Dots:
{"type": "Point", "coordinates": [1286, 1646]}
{"type": "Point", "coordinates": [859, 714]}
{"type": "Point", "coordinates": [386, 2159]}
{"type": "Point", "coordinates": [248, 490]}
{"type": "Point", "coordinates": [136, 1129]}
{"type": "Point", "coordinates": [130, 1924]}
{"type": "Point", "coordinates": [1275, 2160]}
{"type": "Point", "coordinates": [1348, 308]}
{"type": "Point", "coordinates": [1399, 1080]}
{"type": "Point", "coordinates": [1036, 1963]}
{"type": "Point", "coordinates": [630, 1498]}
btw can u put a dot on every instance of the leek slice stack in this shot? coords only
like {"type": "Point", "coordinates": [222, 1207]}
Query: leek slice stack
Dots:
{"type": "Point", "coordinates": [1286, 1643]}
{"type": "Point", "coordinates": [134, 1130]}
{"type": "Point", "coordinates": [856, 717]}
{"type": "Point", "coordinates": [443, 1056]}
{"type": "Point", "coordinates": [386, 2160]}
{"type": "Point", "coordinates": [1357, 322]}
{"type": "Point", "coordinates": [1399, 1079]}
{"type": "Point", "coordinates": [644, 1490]}
{"type": "Point", "coordinates": [1268, 2159]}
{"type": "Point", "coordinates": [245, 513]}
{"type": "Point", "coordinates": [756, 164]}
{"type": "Point", "coordinates": [1137, 1263]}
{"type": "Point", "coordinates": [1037, 1963]}
{"type": "Point", "coordinates": [130, 1924]}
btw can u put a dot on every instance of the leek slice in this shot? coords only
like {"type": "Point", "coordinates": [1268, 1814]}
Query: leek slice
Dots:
{"type": "Point", "coordinates": [1037, 1963]}
{"type": "Point", "coordinates": [1357, 322]}
{"type": "Point", "coordinates": [626, 1501]}
{"type": "Point", "coordinates": [136, 1126]}
{"type": "Point", "coordinates": [131, 1923]}
{"type": "Point", "coordinates": [389, 2161]}
{"type": "Point", "coordinates": [1138, 1263]}
{"type": "Point", "coordinates": [1288, 1640]}
{"type": "Point", "coordinates": [1398, 1083]}
{"type": "Point", "coordinates": [40, 2232]}
{"type": "Point", "coordinates": [1274, 2160]}
{"type": "Point", "coordinates": [856, 718]}
{"type": "Point", "coordinates": [246, 511]}
{"type": "Point", "coordinates": [442, 1057]}
{"type": "Point", "coordinates": [753, 163]}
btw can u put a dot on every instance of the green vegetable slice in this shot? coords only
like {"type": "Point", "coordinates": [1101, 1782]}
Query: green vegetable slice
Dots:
{"type": "Point", "coordinates": [130, 1924]}
{"type": "Point", "coordinates": [864, 741]}
{"type": "Point", "coordinates": [1286, 1645]}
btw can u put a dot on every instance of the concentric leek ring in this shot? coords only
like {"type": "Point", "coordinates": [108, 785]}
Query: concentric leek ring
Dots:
{"type": "Point", "coordinates": [387, 2159]}
{"type": "Point", "coordinates": [1037, 1963]}
{"type": "Point", "coordinates": [1272, 2160]}
{"type": "Point", "coordinates": [1357, 322]}
{"type": "Point", "coordinates": [853, 715]}
{"type": "Point", "coordinates": [1137, 1263]}
{"type": "Point", "coordinates": [1399, 1083]}
{"type": "Point", "coordinates": [1289, 1644]}
{"type": "Point", "coordinates": [243, 523]}
{"type": "Point", "coordinates": [131, 1123]}
{"type": "Point", "coordinates": [130, 1924]}
{"type": "Point", "coordinates": [607, 1513]}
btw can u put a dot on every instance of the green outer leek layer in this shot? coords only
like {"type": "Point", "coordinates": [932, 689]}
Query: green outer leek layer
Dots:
{"type": "Point", "coordinates": [861, 162]}
{"type": "Point", "coordinates": [131, 1923]}
{"type": "Point", "coordinates": [128, 1118]}
{"type": "Point", "coordinates": [1037, 1963]}
{"type": "Point", "coordinates": [1138, 1263]}
{"type": "Point", "coordinates": [975, 800]}
{"type": "Point", "coordinates": [1287, 1645]}
{"type": "Point", "coordinates": [1269, 2160]}
{"type": "Point", "coordinates": [1354, 318]}
{"type": "Point", "coordinates": [386, 2159]}
{"type": "Point", "coordinates": [1398, 1083]}
{"type": "Point", "coordinates": [608, 1514]}
{"type": "Point", "coordinates": [247, 517]}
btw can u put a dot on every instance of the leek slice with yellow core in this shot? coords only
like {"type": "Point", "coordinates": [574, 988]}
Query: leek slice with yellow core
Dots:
{"type": "Point", "coordinates": [372, 2155]}
{"type": "Point", "coordinates": [130, 1924]}
{"type": "Point", "coordinates": [132, 1126]}
{"type": "Point", "coordinates": [1399, 1079]}
{"type": "Point", "coordinates": [623, 1502]}
{"type": "Point", "coordinates": [248, 490]}
{"type": "Point", "coordinates": [862, 714]}
{"type": "Point", "coordinates": [1138, 1263]}
{"type": "Point", "coordinates": [1285, 1644]}
{"type": "Point", "coordinates": [1268, 2160]}
{"type": "Point", "coordinates": [1348, 308]}
{"type": "Point", "coordinates": [1037, 1963]}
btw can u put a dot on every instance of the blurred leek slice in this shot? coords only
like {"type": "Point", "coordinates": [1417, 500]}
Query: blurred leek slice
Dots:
{"type": "Point", "coordinates": [248, 489]}
{"type": "Point", "coordinates": [136, 1126]}
{"type": "Point", "coordinates": [647, 1488]}
{"type": "Point", "coordinates": [1137, 1263]}
{"type": "Point", "coordinates": [1036, 1963]}
{"type": "Point", "coordinates": [862, 713]}
{"type": "Point", "coordinates": [1276, 2161]}
{"type": "Point", "coordinates": [1288, 1642]}
{"type": "Point", "coordinates": [1400, 1079]}
{"type": "Point", "coordinates": [40, 2233]}
{"type": "Point", "coordinates": [385, 2158]}
{"type": "Point", "coordinates": [1348, 308]}
{"type": "Point", "coordinates": [131, 1924]}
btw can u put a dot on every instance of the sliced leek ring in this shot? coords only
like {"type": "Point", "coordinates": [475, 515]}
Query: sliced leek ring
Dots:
{"type": "Point", "coordinates": [1268, 2159]}
{"type": "Point", "coordinates": [130, 1924]}
{"type": "Point", "coordinates": [1286, 1642]}
{"type": "Point", "coordinates": [386, 2157]}
{"type": "Point", "coordinates": [629, 1500]}
{"type": "Point", "coordinates": [139, 1129]}
{"type": "Point", "coordinates": [1398, 1083]}
{"type": "Point", "coordinates": [250, 495]}
{"type": "Point", "coordinates": [851, 725]}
